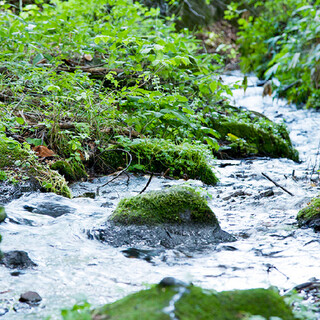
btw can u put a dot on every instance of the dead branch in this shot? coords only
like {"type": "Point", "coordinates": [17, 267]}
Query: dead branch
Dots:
{"type": "Point", "coordinates": [120, 172]}
{"type": "Point", "coordinates": [277, 184]}
{"type": "Point", "coordinates": [146, 186]}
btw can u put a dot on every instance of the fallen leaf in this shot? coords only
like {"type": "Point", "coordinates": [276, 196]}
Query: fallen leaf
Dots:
{"type": "Point", "coordinates": [43, 152]}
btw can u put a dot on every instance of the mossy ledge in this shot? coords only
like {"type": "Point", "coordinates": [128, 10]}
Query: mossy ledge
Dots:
{"type": "Point", "coordinates": [21, 161]}
{"type": "Point", "coordinates": [310, 215]}
{"type": "Point", "coordinates": [244, 132]}
{"type": "Point", "coordinates": [158, 155]}
{"type": "Point", "coordinates": [194, 304]}
{"type": "Point", "coordinates": [173, 205]}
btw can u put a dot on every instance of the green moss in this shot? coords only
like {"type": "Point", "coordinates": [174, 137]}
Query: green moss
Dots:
{"type": "Point", "coordinates": [13, 157]}
{"type": "Point", "coordinates": [197, 304]}
{"type": "Point", "coordinates": [309, 213]}
{"type": "Point", "coordinates": [3, 214]}
{"type": "Point", "coordinates": [252, 133]}
{"type": "Point", "coordinates": [160, 156]}
{"type": "Point", "coordinates": [71, 170]}
{"type": "Point", "coordinates": [172, 205]}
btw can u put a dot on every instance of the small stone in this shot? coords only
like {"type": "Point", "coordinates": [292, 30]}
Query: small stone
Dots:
{"type": "Point", "coordinates": [30, 297]}
{"type": "Point", "coordinates": [171, 282]}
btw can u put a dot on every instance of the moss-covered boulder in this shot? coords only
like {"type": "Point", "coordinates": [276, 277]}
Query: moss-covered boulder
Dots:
{"type": "Point", "coordinates": [165, 302]}
{"type": "Point", "coordinates": [23, 163]}
{"type": "Point", "coordinates": [184, 160]}
{"type": "Point", "coordinates": [243, 132]}
{"type": "Point", "coordinates": [3, 214]}
{"type": "Point", "coordinates": [172, 205]}
{"type": "Point", "coordinates": [310, 215]}
{"type": "Point", "coordinates": [71, 170]}
{"type": "Point", "coordinates": [170, 218]}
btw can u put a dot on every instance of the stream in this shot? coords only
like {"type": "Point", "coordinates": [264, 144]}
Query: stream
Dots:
{"type": "Point", "coordinates": [270, 249]}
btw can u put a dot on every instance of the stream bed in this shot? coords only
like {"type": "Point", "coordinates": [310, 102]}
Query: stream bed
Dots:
{"type": "Point", "coordinates": [270, 248]}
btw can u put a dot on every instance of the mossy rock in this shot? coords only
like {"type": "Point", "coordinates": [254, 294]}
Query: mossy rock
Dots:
{"type": "Point", "coordinates": [310, 215]}
{"type": "Point", "coordinates": [196, 303]}
{"type": "Point", "coordinates": [181, 205]}
{"type": "Point", "coordinates": [71, 170]}
{"type": "Point", "coordinates": [13, 156]}
{"type": "Point", "coordinates": [158, 155]}
{"type": "Point", "coordinates": [250, 133]}
{"type": "Point", "coordinates": [3, 214]}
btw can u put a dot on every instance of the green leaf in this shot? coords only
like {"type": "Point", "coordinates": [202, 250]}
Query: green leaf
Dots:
{"type": "Point", "coordinates": [20, 120]}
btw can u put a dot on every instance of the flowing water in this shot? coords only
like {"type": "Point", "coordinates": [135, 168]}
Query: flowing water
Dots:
{"type": "Point", "coordinates": [270, 249]}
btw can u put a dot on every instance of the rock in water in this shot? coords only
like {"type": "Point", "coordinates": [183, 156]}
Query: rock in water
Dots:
{"type": "Point", "coordinates": [177, 216]}
{"type": "Point", "coordinates": [310, 215]}
{"type": "Point", "coordinates": [17, 259]}
{"type": "Point", "coordinates": [30, 297]}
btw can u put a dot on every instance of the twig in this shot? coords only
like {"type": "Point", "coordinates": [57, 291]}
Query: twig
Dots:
{"type": "Point", "coordinates": [120, 172]}
{"type": "Point", "coordinates": [277, 184]}
{"type": "Point", "coordinates": [146, 186]}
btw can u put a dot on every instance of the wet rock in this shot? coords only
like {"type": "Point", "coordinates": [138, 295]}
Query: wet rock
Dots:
{"type": "Point", "coordinates": [3, 214]}
{"type": "Point", "coordinates": [17, 259]}
{"type": "Point", "coordinates": [30, 297]}
{"type": "Point", "coordinates": [171, 282]}
{"type": "Point", "coordinates": [9, 191]}
{"type": "Point", "coordinates": [196, 303]}
{"type": "Point", "coordinates": [136, 253]}
{"type": "Point", "coordinates": [310, 216]}
{"type": "Point", "coordinates": [265, 194]}
{"type": "Point", "coordinates": [173, 217]}
{"type": "Point", "coordinates": [51, 209]}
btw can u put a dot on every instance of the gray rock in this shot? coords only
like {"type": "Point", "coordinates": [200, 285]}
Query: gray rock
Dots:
{"type": "Point", "coordinates": [30, 298]}
{"type": "Point", "coordinates": [51, 209]}
{"type": "Point", "coordinates": [17, 260]}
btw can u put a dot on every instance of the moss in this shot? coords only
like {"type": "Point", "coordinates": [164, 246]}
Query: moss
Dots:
{"type": "Point", "coordinates": [160, 156]}
{"type": "Point", "coordinates": [172, 205]}
{"type": "Point", "coordinates": [14, 157]}
{"type": "Point", "coordinates": [309, 214]}
{"type": "Point", "coordinates": [71, 170]}
{"type": "Point", "coordinates": [3, 214]}
{"type": "Point", "coordinates": [252, 133]}
{"type": "Point", "coordinates": [197, 304]}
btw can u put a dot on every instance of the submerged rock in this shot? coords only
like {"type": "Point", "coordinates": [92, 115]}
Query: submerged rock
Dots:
{"type": "Point", "coordinates": [189, 302]}
{"type": "Point", "coordinates": [310, 215]}
{"type": "Point", "coordinates": [17, 259]}
{"type": "Point", "coordinates": [51, 209]}
{"type": "Point", "coordinates": [177, 216]}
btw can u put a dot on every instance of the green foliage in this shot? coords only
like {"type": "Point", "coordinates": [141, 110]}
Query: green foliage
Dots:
{"type": "Point", "coordinates": [163, 156]}
{"type": "Point", "coordinates": [280, 39]}
{"type": "Point", "coordinates": [155, 82]}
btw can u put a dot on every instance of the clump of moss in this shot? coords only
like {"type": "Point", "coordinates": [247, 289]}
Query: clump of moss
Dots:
{"type": "Point", "coordinates": [250, 133]}
{"type": "Point", "coordinates": [310, 215]}
{"type": "Point", "coordinates": [3, 214]}
{"type": "Point", "coordinates": [72, 170]}
{"type": "Point", "coordinates": [13, 156]}
{"type": "Point", "coordinates": [172, 205]}
{"type": "Point", "coordinates": [163, 156]}
{"type": "Point", "coordinates": [196, 303]}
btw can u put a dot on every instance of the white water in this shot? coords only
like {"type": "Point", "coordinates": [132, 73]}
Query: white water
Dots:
{"type": "Point", "coordinates": [270, 249]}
